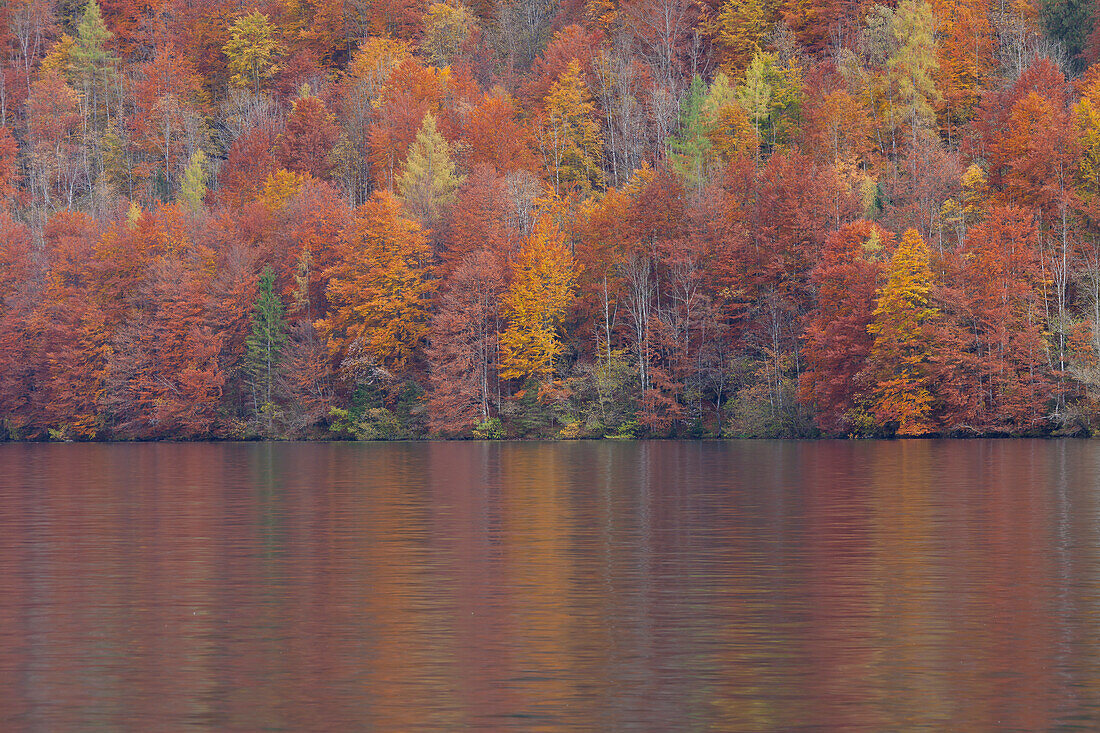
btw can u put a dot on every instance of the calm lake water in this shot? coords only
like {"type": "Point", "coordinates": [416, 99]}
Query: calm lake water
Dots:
{"type": "Point", "coordinates": [745, 586]}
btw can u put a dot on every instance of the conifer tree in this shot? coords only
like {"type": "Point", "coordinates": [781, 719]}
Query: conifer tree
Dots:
{"type": "Point", "coordinates": [771, 96]}
{"type": "Point", "coordinates": [690, 147]}
{"type": "Point", "coordinates": [263, 347]}
{"type": "Point", "coordinates": [92, 65]}
{"type": "Point", "coordinates": [429, 182]}
{"type": "Point", "coordinates": [913, 66]}
{"type": "Point", "coordinates": [193, 186]}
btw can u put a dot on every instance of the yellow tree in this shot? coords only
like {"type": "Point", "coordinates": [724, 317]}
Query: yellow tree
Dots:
{"type": "Point", "coordinates": [542, 290]}
{"type": "Point", "coordinates": [447, 25]}
{"type": "Point", "coordinates": [429, 182]}
{"type": "Point", "coordinates": [1088, 128]}
{"type": "Point", "coordinates": [728, 127]}
{"type": "Point", "coordinates": [902, 352]}
{"type": "Point", "coordinates": [570, 138]}
{"type": "Point", "coordinates": [739, 28]}
{"type": "Point", "coordinates": [913, 66]}
{"type": "Point", "coordinates": [379, 291]}
{"type": "Point", "coordinates": [251, 49]}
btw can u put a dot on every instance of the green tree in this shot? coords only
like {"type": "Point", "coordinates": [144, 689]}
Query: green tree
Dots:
{"type": "Point", "coordinates": [725, 122]}
{"type": "Point", "coordinates": [690, 146]}
{"type": "Point", "coordinates": [193, 187]}
{"type": "Point", "coordinates": [91, 62]}
{"type": "Point", "coordinates": [1071, 22]}
{"type": "Point", "coordinates": [264, 345]}
{"type": "Point", "coordinates": [92, 67]}
{"type": "Point", "coordinates": [771, 95]}
{"type": "Point", "coordinates": [429, 182]}
{"type": "Point", "coordinates": [252, 49]}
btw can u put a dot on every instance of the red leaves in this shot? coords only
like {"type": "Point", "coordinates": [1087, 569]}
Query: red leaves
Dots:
{"type": "Point", "coordinates": [837, 342]}
{"type": "Point", "coordinates": [307, 141]}
{"type": "Point", "coordinates": [993, 355]}
{"type": "Point", "coordinates": [9, 172]}
{"type": "Point", "coordinates": [462, 355]}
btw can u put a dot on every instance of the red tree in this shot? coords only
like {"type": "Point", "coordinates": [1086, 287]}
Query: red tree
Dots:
{"type": "Point", "coordinates": [308, 138]}
{"type": "Point", "coordinates": [837, 342]}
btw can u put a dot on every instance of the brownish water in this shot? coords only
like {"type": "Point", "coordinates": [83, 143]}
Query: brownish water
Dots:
{"type": "Point", "coordinates": [746, 586]}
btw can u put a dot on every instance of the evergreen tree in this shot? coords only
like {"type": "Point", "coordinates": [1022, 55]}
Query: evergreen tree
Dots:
{"type": "Point", "coordinates": [264, 345]}
{"type": "Point", "coordinates": [1071, 22]}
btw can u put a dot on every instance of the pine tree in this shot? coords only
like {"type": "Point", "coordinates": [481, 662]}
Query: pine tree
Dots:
{"type": "Point", "coordinates": [429, 182]}
{"type": "Point", "coordinates": [913, 66]}
{"type": "Point", "coordinates": [1070, 22]}
{"type": "Point", "coordinates": [902, 352]}
{"type": "Point", "coordinates": [263, 347]}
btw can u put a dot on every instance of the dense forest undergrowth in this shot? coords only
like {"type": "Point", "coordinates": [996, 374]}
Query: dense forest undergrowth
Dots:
{"type": "Point", "coordinates": [381, 219]}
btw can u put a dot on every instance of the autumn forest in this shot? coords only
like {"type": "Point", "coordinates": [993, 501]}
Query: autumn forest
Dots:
{"type": "Point", "coordinates": [383, 219]}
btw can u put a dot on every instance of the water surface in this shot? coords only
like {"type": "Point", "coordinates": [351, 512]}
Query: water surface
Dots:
{"type": "Point", "coordinates": [748, 586]}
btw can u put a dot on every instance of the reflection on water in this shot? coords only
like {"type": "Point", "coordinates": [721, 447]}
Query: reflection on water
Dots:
{"type": "Point", "coordinates": [594, 586]}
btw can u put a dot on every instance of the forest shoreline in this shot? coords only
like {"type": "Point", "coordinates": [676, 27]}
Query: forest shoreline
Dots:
{"type": "Point", "coordinates": [705, 439]}
{"type": "Point", "coordinates": [548, 219]}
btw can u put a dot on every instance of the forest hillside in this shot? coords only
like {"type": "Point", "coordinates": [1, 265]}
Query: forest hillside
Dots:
{"type": "Point", "coordinates": [380, 219]}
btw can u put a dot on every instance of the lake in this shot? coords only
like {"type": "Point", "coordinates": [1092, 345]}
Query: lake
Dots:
{"type": "Point", "coordinates": [746, 586]}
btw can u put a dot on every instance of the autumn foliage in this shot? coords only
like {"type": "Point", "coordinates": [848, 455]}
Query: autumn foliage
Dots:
{"type": "Point", "coordinates": [647, 218]}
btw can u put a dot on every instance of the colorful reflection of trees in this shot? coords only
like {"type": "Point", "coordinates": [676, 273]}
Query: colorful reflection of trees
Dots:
{"type": "Point", "coordinates": [734, 586]}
